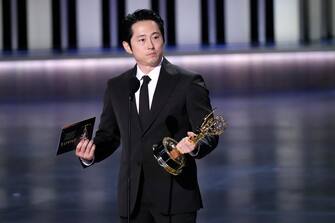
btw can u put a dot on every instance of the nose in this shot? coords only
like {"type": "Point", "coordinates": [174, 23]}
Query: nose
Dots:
{"type": "Point", "coordinates": [150, 44]}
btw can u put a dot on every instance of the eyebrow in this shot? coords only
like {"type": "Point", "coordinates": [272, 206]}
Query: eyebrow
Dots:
{"type": "Point", "coordinates": [139, 36]}
{"type": "Point", "coordinates": [143, 35]}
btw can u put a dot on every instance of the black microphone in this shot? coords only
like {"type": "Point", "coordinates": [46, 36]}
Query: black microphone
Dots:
{"type": "Point", "coordinates": [134, 85]}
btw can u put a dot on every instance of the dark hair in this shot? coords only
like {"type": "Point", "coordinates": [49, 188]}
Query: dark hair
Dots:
{"type": "Point", "coordinates": [140, 15]}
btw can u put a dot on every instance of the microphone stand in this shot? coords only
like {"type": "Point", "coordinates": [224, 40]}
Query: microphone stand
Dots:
{"type": "Point", "coordinates": [134, 85]}
{"type": "Point", "coordinates": [129, 156]}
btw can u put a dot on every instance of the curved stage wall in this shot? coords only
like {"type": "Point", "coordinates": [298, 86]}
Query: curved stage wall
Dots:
{"type": "Point", "coordinates": [225, 74]}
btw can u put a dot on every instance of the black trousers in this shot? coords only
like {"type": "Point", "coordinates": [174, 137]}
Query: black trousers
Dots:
{"type": "Point", "coordinates": [148, 215]}
{"type": "Point", "coordinates": [145, 211]}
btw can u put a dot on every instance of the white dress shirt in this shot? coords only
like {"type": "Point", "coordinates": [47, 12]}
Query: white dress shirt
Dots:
{"type": "Point", "coordinates": [154, 75]}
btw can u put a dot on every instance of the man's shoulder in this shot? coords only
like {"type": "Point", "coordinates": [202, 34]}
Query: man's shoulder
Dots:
{"type": "Point", "coordinates": [183, 73]}
{"type": "Point", "coordinates": [185, 76]}
{"type": "Point", "coordinates": [176, 69]}
{"type": "Point", "coordinates": [121, 78]}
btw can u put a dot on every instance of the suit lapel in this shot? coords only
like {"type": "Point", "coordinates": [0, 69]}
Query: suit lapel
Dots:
{"type": "Point", "coordinates": [167, 82]}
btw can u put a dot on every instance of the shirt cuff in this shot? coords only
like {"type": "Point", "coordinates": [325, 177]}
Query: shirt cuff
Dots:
{"type": "Point", "coordinates": [195, 152]}
{"type": "Point", "coordinates": [87, 162]}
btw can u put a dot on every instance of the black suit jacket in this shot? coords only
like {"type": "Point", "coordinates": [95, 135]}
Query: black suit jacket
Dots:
{"type": "Point", "coordinates": [179, 105]}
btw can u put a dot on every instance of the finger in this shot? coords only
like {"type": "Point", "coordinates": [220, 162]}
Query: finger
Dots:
{"type": "Point", "coordinates": [88, 148]}
{"type": "Point", "coordinates": [187, 145]}
{"type": "Point", "coordinates": [181, 146]}
{"type": "Point", "coordinates": [181, 150]}
{"type": "Point", "coordinates": [84, 146]}
{"type": "Point", "coordinates": [191, 135]}
{"type": "Point", "coordinates": [79, 145]}
{"type": "Point", "coordinates": [81, 149]}
{"type": "Point", "coordinates": [92, 151]}
{"type": "Point", "coordinates": [90, 144]}
{"type": "Point", "coordinates": [190, 141]}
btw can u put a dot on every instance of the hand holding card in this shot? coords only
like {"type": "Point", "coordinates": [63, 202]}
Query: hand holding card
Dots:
{"type": "Point", "coordinates": [72, 134]}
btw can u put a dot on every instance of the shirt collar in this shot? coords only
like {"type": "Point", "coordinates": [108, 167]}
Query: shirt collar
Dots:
{"type": "Point", "coordinates": [154, 74]}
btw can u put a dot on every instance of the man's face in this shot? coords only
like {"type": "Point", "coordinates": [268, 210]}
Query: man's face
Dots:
{"type": "Point", "coordinates": [146, 43]}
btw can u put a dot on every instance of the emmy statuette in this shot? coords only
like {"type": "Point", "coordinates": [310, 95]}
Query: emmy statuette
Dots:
{"type": "Point", "coordinates": [168, 155]}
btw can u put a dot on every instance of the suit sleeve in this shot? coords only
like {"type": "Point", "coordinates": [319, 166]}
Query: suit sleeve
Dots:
{"type": "Point", "coordinates": [198, 106]}
{"type": "Point", "coordinates": [107, 138]}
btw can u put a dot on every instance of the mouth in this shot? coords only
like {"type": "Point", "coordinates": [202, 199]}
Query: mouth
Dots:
{"type": "Point", "coordinates": [152, 54]}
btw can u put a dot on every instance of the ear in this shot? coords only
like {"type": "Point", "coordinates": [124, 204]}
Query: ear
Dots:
{"type": "Point", "coordinates": [127, 47]}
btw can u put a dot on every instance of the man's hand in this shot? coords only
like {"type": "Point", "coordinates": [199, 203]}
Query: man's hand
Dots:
{"type": "Point", "coordinates": [186, 145]}
{"type": "Point", "coordinates": [85, 150]}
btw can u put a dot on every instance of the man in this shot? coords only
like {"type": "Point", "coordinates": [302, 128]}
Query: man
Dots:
{"type": "Point", "coordinates": [177, 101]}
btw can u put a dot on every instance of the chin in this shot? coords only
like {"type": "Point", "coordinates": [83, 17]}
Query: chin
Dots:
{"type": "Point", "coordinates": [154, 62]}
